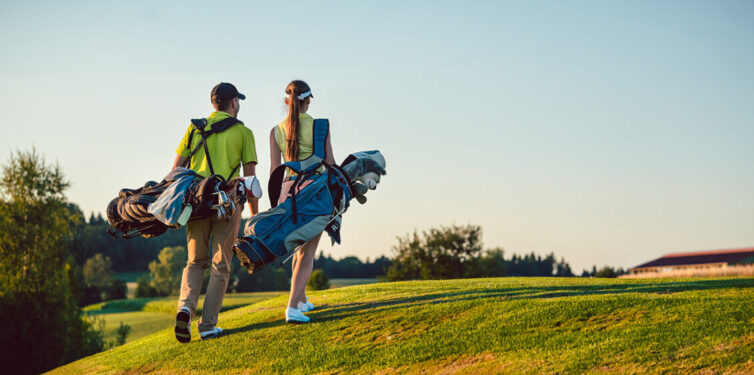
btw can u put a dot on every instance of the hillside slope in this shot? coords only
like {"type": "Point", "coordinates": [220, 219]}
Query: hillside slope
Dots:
{"type": "Point", "coordinates": [519, 325]}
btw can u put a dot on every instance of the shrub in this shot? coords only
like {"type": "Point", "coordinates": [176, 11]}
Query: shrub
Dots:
{"type": "Point", "coordinates": [123, 332]}
{"type": "Point", "coordinates": [144, 288]}
{"type": "Point", "coordinates": [167, 270]}
{"type": "Point", "coordinates": [117, 290]}
{"type": "Point", "coordinates": [606, 272]}
{"type": "Point", "coordinates": [318, 280]}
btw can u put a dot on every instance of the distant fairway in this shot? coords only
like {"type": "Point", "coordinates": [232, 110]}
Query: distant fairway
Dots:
{"type": "Point", "coordinates": [339, 283]}
{"type": "Point", "coordinates": [509, 325]}
{"type": "Point", "coordinates": [149, 315]}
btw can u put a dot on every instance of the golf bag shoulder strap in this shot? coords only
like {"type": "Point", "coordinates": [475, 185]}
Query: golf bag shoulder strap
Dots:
{"type": "Point", "coordinates": [218, 127]}
{"type": "Point", "coordinates": [321, 130]}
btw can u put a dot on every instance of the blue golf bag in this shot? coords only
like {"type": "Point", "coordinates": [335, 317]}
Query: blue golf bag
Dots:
{"type": "Point", "coordinates": [317, 199]}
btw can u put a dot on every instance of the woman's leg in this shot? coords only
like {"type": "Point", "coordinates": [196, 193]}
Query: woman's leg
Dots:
{"type": "Point", "coordinates": [302, 272]}
{"type": "Point", "coordinates": [294, 262]}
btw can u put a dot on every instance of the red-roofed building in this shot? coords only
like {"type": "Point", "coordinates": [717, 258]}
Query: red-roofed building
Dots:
{"type": "Point", "coordinates": [701, 263]}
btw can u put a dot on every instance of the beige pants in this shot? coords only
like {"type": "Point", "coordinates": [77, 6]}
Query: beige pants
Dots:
{"type": "Point", "coordinates": [220, 234]}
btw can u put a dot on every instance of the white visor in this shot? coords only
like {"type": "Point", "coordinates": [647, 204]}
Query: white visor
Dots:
{"type": "Point", "coordinates": [301, 96]}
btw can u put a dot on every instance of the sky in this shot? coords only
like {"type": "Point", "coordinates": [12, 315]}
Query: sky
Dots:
{"type": "Point", "coordinates": [605, 132]}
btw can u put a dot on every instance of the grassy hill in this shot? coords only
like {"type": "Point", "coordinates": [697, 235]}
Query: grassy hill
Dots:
{"type": "Point", "coordinates": [518, 325]}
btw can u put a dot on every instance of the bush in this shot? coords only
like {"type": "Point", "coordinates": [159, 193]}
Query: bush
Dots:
{"type": "Point", "coordinates": [607, 272]}
{"type": "Point", "coordinates": [318, 281]}
{"type": "Point", "coordinates": [144, 288]}
{"type": "Point", "coordinates": [117, 290]}
{"type": "Point", "coordinates": [123, 332]}
{"type": "Point", "coordinates": [167, 270]}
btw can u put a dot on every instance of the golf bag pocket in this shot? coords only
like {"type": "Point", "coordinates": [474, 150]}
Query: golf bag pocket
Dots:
{"type": "Point", "coordinates": [274, 233]}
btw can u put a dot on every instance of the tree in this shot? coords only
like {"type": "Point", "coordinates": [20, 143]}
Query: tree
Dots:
{"type": "Point", "coordinates": [445, 252]}
{"type": "Point", "coordinates": [98, 272]}
{"type": "Point", "coordinates": [37, 282]}
{"type": "Point", "coordinates": [562, 269]}
{"type": "Point", "coordinates": [99, 280]}
{"type": "Point", "coordinates": [606, 272]}
{"type": "Point", "coordinates": [491, 264]}
{"type": "Point", "coordinates": [318, 280]}
{"type": "Point", "coordinates": [166, 271]}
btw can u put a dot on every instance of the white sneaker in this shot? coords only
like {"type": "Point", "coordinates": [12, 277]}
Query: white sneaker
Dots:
{"type": "Point", "coordinates": [211, 334]}
{"type": "Point", "coordinates": [295, 316]}
{"type": "Point", "coordinates": [306, 307]}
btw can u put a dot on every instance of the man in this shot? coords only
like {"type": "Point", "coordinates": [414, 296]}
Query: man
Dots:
{"type": "Point", "coordinates": [226, 150]}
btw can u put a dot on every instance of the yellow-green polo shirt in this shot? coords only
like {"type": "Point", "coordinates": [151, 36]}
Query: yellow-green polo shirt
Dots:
{"type": "Point", "coordinates": [226, 150]}
{"type": "Point", "coordinates": [305, 139]}
{"type": "Point", "coordinates": [305, 136]}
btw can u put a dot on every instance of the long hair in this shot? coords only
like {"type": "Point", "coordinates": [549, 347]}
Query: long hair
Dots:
{"type": "Point", "coordinates": [292, 91]}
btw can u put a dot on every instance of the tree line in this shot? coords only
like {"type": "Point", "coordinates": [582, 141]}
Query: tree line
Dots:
{"type": "Point", "coordinates": [457, 252]}
{"type": "Point", "coordinates": [101, 257]}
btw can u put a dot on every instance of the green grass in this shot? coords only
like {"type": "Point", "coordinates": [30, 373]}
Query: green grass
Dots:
{"type": "Point", "coordinates": [508, 325]}
{"type": "Point", "coordinates": [142, 324]}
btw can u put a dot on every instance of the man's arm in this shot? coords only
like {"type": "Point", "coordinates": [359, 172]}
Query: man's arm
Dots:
{"type": "Point", "coordinates": [249, 169]}
{"type": "Point", "coordinates": [179, 161]}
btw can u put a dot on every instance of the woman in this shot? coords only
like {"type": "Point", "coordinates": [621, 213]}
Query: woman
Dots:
{"type": "Point", "coordinates": [293, 139]}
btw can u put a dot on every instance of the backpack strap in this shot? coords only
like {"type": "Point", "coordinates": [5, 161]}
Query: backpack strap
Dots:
{"type": "Point", "coordinates": [321, 129]}
{"type": "Point", "coordinates": [198, 124]}
{"type": "Point", "coordinates": [218, 127]}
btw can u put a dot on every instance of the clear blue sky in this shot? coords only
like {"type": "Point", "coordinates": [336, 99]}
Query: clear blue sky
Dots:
{"type": "Point", "coordinates": [606, 132]}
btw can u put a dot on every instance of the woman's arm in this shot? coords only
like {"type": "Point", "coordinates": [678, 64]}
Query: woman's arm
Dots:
{"type": "Point", "coordinates": [329, 158]}
{"type": "Point", "coordinates": [275, 152]}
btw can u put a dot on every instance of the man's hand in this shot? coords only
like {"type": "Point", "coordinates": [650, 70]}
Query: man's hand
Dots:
{"type": "Point", "coordinates": [249, 169]}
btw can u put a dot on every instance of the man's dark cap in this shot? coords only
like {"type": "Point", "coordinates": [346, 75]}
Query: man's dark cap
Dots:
{"type": "Point", "coordinates": [225, 91]}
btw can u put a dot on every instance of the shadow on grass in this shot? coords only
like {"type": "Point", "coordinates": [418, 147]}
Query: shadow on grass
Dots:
{"type": "Point", "coordinates": [335, 312]}
{"type": "Point", "coordinates": [255, 326]}
{"type": "Point", "coordinates": [326, 313]}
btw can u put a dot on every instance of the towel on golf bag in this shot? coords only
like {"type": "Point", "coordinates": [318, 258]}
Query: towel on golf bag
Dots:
{"type": "Point", "coordinates": [169, 205]}
{"type": "Point", "coordinates": [129, 213]}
